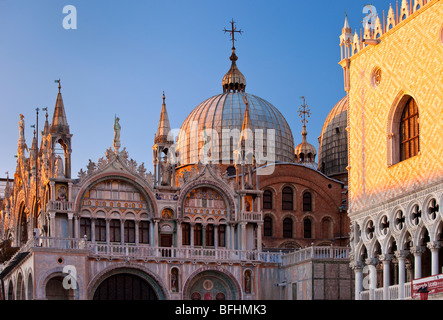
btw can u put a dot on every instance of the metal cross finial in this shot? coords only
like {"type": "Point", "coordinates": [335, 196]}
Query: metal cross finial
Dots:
{"type": "Point", "coordinates": [232, 32]}
{"type": "Point", "coordinates": [59, 84]}
{"type": "Point", "coordinates": [304, 111]}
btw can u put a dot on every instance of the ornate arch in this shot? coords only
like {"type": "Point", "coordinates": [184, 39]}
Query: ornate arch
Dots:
{"type": "Point", "coordinates": [42, 282]}
{"type": "Point", "coordinates": [222, 189]}
{"type": "Point", "coordinates": [393, 125]}
{"type": "Point", "coordinates": [202, 271]}
{"type": "Point", "coordinates": [153, 279]}
{"type": "Point", "coordinates": [92, 181]}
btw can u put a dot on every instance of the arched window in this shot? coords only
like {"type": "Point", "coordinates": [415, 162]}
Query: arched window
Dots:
{"type": "Point", "coordinates": [209, 235]}
{"type": "Point", "coordinates": [129, 231]}
{"type": "Point", "coordinates": [326, 226]}
{"type": "Point", "coordinates": [267, 227]}
{"type": "Point", "coordinates": [307, 227]}
{"type": "Point", "coordinates": [143, 232]}
{"type": "Point", "coordinates": [287, 228]}
{"type": "Point", "coordinates": [267, 199]}
{"type": "Point", "coordinates": [287, 199]}
{"type": "Point", "coordinates": [409, 131]}
{"type": "Point", "coordinates": [85, 228]}
{"type": "Point", "coordinates": [307, 201]}
{"type": "Point", "coordinates": [197, 234]}
{"type": "Point", "coordinates": [100, 230]}
{"type": "Point", "coordinates": [114, 230]}
{"type": "Point", "coordinates": [222, 235]}
{"type": "Point", "coordinates": [186, 234]}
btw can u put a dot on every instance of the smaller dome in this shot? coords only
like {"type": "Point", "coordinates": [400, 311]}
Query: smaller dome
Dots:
{"type": "Point", "coordinates": [305, 152]}
{"type": "Point", "coordinates": [333, 141]}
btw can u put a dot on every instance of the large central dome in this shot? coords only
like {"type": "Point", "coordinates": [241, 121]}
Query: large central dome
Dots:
{"type": "Point", "coordinates": [225, 112]}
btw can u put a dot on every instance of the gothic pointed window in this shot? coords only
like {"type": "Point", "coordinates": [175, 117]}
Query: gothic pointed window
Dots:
{"type": "Point", "coordinates": [409, 131]}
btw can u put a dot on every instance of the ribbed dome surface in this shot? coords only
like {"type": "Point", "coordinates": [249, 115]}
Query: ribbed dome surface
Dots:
{"type": "Point", "coordinates": [224, 112]}
{"type": "Point", "coordinates": [333, 151]}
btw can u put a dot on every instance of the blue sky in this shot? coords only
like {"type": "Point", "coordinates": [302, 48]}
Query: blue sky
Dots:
{"type": "Point", "coordinates": [124, 54]}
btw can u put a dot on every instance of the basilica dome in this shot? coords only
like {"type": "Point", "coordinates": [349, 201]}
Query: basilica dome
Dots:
{"type": "Point", "coordinates": [333, 151]}
{"type": "Point", "coordinates": [225, 112]}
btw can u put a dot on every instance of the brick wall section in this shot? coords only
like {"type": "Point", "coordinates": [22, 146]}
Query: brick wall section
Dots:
{"type": "Point", "coordinates": [327, 196]}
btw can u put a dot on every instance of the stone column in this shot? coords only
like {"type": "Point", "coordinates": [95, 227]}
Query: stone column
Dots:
{"type": "Point", "coordinates": [70, 225]}
{"type": "Point", "coordinates": [191, 229]}
{"type": "Point", "coordinates": [137, 232]}
{"type": "Point", "coordinates": [122, 231]}
{"type": "Point", "coordinates": [52, 224]}
{"type": "Point", "coordinates": [372, 263]}
{"type": "Point", "coordinates": [215, 236]}
{"type": "Point", "coordinates": [434, 246]}
{"type": "Point", "coordinates": [108, 234]}
{"type": "Point", "coordinates": [92, 230]}
{"type": "Point", "coordinates": [243, 235]}
{"type": "Point", "coordinates": [401, 256]}
{"type": "Point", "coordinates": [156, 233]}
{"type": "Point", "coordinates": [357, 266]}
{"type": "Point", "coordinates": [77, 226]}
{"type": "Point", "coordinates": [417, 251]}
{"type": "Point", "coordinates": [386, 260]}
{"type": "Point", "coordinates": [259, 236]}
{"type": "Point", "coordinates": [179, 233]}
{"type": "Point", "coordinates": [204, 234]}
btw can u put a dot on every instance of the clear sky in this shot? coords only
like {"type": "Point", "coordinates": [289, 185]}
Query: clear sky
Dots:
{"type": "Point", "coordinates": [125, 53]}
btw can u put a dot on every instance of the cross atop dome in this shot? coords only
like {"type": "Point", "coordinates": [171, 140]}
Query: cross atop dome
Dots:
{"type": "Point", "coordinates": [234, 80]}
{"type": "Point", "coordinates": [232, 32]}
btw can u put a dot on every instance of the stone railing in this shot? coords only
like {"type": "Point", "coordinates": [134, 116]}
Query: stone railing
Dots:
{"type": "Point", "coordinates": [252, 216]}
{"type": "Point", "coordinates": [147, 252]}
{"type": "Point", "coordinates": [394, 293]}
{"type": "Point", "coordinates": [61, 206]}
{"type": "Point", "coordinates": [316, 253]}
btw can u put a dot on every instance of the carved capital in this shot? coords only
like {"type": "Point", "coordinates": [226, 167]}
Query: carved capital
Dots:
{"type": "Point", "coordinates": [401, 254]}
{"type": "Point", "coordinates": [356, 265]}
{"type": "Point", "coordinates": [385, 257]}
{"type": "Point", "coordinates": [433, 245]}
{"type": "Point", "coordinates": [417, 250]}
{"type": "Point", "coordinates": [371, 261]}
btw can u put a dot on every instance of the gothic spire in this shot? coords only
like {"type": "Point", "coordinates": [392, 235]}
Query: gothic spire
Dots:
{"type": "Point", "coordinates": [163, 124]}
{"type": "Point", "coordinates": [59, 120]}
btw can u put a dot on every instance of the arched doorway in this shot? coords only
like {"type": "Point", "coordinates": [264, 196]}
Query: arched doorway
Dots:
{"type": "Point", "coordinates": [124, 286]}
{"type": "Point", "coordinates": [56, 291]}
{"type": "Point", "coordinates": [212, 285]}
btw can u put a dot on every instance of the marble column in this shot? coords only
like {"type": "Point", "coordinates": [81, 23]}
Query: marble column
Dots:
{"type": "Point", "coordinates": [401, 256]}
{"type": "Point", "coordinates": [357, 266]}
{"type": "Point", "coordinates": [386, 260]}
{"type": "Point", "coordinates": [371, 264]}
{"type": "Point", "coordinates": [417, 251]}
{"type": "Point", "coordinates": [434, 246]}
